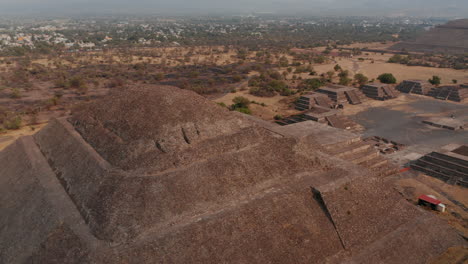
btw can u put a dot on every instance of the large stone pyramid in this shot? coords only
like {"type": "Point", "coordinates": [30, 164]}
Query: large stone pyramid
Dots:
{"type": "Point", "coordinates": [451, 38]}
{"type": "Point", "coordinates": [161, 175]}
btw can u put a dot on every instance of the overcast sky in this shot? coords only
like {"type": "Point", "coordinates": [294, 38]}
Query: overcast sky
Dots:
{"type": "Point", "coordinates": [338, 7]}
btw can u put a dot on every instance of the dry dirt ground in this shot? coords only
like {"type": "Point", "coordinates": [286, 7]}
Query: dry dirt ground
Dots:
{"type": "Point", "coordinates": [171, 56]}
{"type": "Point", "coordinates": [455, 197]}
{"type": "Point", "coordinates": [277, 105]}
{"type": "Point", "coordinates": [9, 137]}
{"type": "Point", "coordinates": [454, 255]}
{"type": "Point", "coordinates": [401, 72]}
{"type": "Point", "coordinates": [370, 45]}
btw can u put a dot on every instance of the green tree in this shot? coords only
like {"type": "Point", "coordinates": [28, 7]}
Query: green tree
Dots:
{"type": "Point", "coordinates": [330, 75]}
{"type": "Point", "coordinates": [435, 80]}
{"type": "Point", "coordinates": [387, 78]}
{"type": "Point", "coordinates": [319, 59]}
{"type": "Point", "coordinates": [361, 79]}
{"type": "Point", "coordinates": [241, 102]}
{"type": "Point", "coordinates": [337, 68]}
{"type": "Point", "coordinates": [312, 84]}
{"type": "Point", "coordinates": [344, 80]}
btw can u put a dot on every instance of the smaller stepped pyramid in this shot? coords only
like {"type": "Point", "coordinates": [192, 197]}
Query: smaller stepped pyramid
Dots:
{"type": "Point", "coordinates": [449, 166]}
{"type": "Point", "coordinates": [415, 86]}
{"type": "Point", "coordinates": [343, 94]}
{"type": "Point", "coordinates": [452, 93]}
{"type": "Point", "coordinates": [321, 115]}
{"type": "Point", "coordinates": [308, 101]}
{"type": "Point", "coordinates": [379, 91]}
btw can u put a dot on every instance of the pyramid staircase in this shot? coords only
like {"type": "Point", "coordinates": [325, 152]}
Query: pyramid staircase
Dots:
{"type": "Point", "coordinates": [304, 103]}
{"type": "Point", "coordinates": [323, 101]}
{"type": "Point", "coordinates": [308, 101]}
{"type": "Point", "coordinates": [340, 122]}
{"type": "Point", "coordinates": [336, 121]}
{"type": "Point", "coordinates": [353, 98]}
{"type": "Point", "coordinates": [390, 92]}
{"type": "Point", "coordinates": [362, 154]}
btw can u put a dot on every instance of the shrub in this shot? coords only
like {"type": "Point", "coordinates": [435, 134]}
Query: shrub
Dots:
{"type": "Point", "coordinates": [399, 59]}
{"type": "Point", "coordinates": [283, 62]}
{"type": "Point", "coordinates": [435, 80]}
{"type": "Point", "coordinates": [78, 82]}
{"type": "Point", "coordinates": [344, 80]}
{"type": "Point", "coordinates": [311, 84]}
{"type": "Point", "coordinates": [361, 79]}
{"type": "Point", "coordinates": [319, 59]}
{"type": "Point", "coordinates": [387, 78]}
{"type": "Point", "coordinates": [244, 110]}
{"type": "Point", "coordinates": [159, 76]}
{"type": "Point", "coordinates": [237, 78]}
{"type": "Point", "coordinates": [13, 123]}
{"type": "Point", "coordinates": [241, 102]}
{"type": "Point", "coordinates": [15, 93]}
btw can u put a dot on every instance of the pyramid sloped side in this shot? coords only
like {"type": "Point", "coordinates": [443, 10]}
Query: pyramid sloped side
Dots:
{"type": "Point", "coordinates": [282, 227]}
{"type": "Point", "coordinates": [450, 38]}
{"type": "Point", "coordinates": [31, 207]}
{"type": "Point", "coordinates": [132, 124]}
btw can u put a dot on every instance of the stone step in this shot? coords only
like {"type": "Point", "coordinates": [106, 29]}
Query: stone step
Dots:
{"type": "Point", "coordinates": [430, 172]}
{"type": "Point", "coordinates": [354, 147]}
{"type": "Point", "coordinates": [438, 168]}
{"type": "Point", "coordinates": [353, 98]}
{"type": "Point", "coordinates": [361, 157]}
{"type": "Point", "coordinates": [377, 162]}
{"type": "Point", "coordinates": [445, 163]}
{"type": "Point", "coordinates": [341, 144]}
{"type": "Point", "coordinates": [385, 170]}
{"type": "Point", "coordinates": [449, 159]}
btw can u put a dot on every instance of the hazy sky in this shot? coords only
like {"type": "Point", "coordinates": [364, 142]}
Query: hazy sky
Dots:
{"type": "Point", "coordinates": [339, 7]}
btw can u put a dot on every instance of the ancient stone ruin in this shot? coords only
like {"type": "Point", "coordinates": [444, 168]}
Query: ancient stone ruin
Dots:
{"type": "Point", "coordinates": [310, 100]}
{"type": "Point", "coordinates": [450, 38]}
{"type": "Point", "coordinates": [343, 94]}
{"type": "Point", "coordinates": [161, 175]}
{"type": "Point", "coordinates": [449, 165]}
{"type": "Point", "coordinates": [452, 93]}
{"type": "Point", "coordinates": [379, 91]}
{"type": "Point", "coordinates": [415, 86]}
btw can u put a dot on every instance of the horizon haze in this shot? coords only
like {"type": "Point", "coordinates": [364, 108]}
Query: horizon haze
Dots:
{"type": "Point", "coordinates": [420, 8]}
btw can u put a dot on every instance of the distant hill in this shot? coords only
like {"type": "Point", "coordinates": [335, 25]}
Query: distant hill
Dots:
{"type": "Point", "coordinates": [450, 38]}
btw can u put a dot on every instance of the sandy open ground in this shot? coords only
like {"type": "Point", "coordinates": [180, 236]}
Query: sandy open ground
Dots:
{"type": "Point", "coordinates": [412, 188]}
{"type": "Point", "coordinates": [7, 138]}
{"type": "Point", "coordinates": [401, 72]}
{"type": "Point", "coordinates": [276, 105]}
